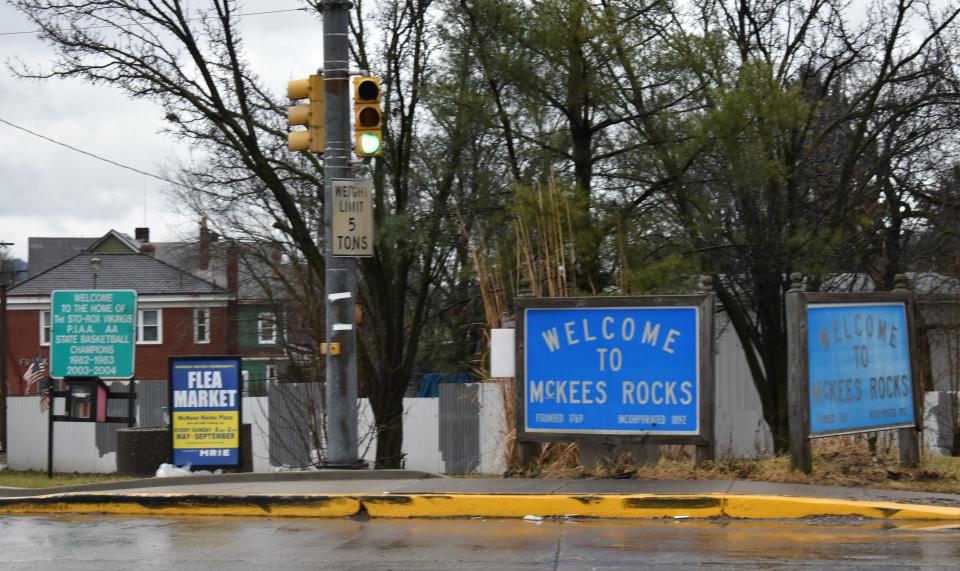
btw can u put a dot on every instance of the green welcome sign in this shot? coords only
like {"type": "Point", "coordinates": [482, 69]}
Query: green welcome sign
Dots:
{"type": "Point", "coordinates": [92, 333]}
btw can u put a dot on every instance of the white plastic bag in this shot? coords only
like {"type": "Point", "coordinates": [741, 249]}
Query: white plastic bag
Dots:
{"type": "Point", "coordinates": [171, 471]}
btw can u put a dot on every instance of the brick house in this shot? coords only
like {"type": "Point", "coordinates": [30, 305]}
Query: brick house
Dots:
{"type": "Point", "coordinates": [177, 312]}
{"type": "Point", "coordinates": [250, 271]}
{"type": "Point", "coordinates": [195, 298]}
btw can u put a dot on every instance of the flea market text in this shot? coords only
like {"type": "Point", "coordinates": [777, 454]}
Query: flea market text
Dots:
{"type": "Point", "coordinates": [204, 389]}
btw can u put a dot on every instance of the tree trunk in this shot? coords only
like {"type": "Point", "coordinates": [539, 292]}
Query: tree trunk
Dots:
{"type": "Point", "coordinates": [389, 434]}
{"type": "Point", "coordinates": [765, 344]}
{"type": "Point", "coordinates": [773, 332]}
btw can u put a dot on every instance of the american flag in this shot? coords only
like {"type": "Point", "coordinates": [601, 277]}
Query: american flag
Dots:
{"type": "Point", "coordinates": [36, 372]}
{"type": "Point", "coordinates": [46, 392]}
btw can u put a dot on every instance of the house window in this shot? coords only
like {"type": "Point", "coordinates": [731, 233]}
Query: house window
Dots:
{"type": "Point", "coordinates": [266, 329]}
{"type": "Point", "coordinates": [271, 372]}
{"type": "Point", "coordinates": [44, 328]}
{"type": "Point", "coordinates": [149, 326]}
{"type": "Point", "coordinates": [201, 325]}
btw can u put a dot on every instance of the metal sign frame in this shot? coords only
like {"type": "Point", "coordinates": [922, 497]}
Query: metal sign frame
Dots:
{"type": "Point", "coordinates": [704, 305]}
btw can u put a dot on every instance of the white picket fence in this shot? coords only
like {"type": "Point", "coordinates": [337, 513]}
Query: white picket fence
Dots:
{"type": "Point", "coordinates": [421, 435]}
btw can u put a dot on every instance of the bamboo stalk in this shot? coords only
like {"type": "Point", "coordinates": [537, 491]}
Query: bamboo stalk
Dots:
{"type": "Point", "coordinates": [543, 261]}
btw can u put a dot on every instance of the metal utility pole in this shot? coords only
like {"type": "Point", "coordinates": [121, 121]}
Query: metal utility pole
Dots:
{"type": "Point", "coordinates": [341, 272]}
{"type": "Point", "coordinates": [3, 352]}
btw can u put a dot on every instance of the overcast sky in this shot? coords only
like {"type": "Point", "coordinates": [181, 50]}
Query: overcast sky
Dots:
{"type": "Point", "coordinates": [48, 190]}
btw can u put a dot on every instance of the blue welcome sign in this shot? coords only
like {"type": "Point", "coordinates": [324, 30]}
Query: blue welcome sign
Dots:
{"type": "Point", "coordinates": [859, 374]}
{"type": "Point", "coordinates": [612, 370]}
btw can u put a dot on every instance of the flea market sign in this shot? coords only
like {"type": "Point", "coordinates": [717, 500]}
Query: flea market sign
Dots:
{"type": "Point", "coordinates": [92, 333]}
{"type": "Point", "coordinates": [616, 366]}
{"type": "Point", "coordinates": [206, 411]}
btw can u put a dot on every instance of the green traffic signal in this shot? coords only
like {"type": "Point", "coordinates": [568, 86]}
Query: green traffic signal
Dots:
{"type": "Point", "coordinates": [370, 143]}
{"type": "Point", "coordinates": [368, 117]}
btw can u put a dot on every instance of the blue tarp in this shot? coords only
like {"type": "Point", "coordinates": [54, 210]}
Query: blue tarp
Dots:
{"type": "Point", "coordinates": [430, 383]}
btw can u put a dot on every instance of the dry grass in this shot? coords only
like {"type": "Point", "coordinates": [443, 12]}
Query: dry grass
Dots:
{"type": "Point", "coordinates": [37, 479]}
{"type": "Point", "coordinates": [839, 461]}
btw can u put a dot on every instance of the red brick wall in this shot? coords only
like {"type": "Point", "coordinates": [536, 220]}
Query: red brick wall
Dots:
{"type": "Point", "coordinates": [23, 343]}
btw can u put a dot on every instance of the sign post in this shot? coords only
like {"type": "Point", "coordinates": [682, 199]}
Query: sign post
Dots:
{"type": "Point", "coordinates": [628, 370]}
{"type": "Point", "coordinates": [206, 411]}
{"type": "Point", "coordinates": [852, 367]}
{"type": "Point", "coordinates": [92, 337]}
{"type": "Point", "coordinates": [93, 333]}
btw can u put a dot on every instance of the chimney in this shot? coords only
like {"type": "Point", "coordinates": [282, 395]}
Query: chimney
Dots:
{"type": "Point", "coordinates": [233, 277]}
{"type": "Point", "coordinates": [233, 308]}
{"type": "Point", "coordinates": [203, 256]}
{"type": "Point", "coordinates": [276, 259]}
{"type": "Point", "coordinates": [141, 234]}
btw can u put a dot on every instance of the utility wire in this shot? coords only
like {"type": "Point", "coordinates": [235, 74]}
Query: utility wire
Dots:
{"type": "Point", "coordinates": [153, 23]}
{"type": "Point", "coordinates": [98, 157]}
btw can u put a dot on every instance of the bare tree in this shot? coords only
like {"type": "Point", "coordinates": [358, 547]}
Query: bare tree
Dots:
{"type": "Point", "coordinates": [190, 61]}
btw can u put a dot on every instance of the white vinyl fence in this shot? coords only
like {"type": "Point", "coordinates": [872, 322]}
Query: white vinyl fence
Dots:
{"type": "Point", "coordinates": [91, 447]}
{"type": "Point", "coordinates": [75, 443]}
{"type": "Point", "coordinates": [739, 428]}
{"type": "Point", "coordinates": [462, 431]}
{"type": "Point", "coordinates": [470, 433]}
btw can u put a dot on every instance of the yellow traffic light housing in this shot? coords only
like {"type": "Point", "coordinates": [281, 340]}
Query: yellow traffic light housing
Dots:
{"type": "Point", "coordinates": [309, 114]}
{"type": "Point", "coordinates": [367, 116]}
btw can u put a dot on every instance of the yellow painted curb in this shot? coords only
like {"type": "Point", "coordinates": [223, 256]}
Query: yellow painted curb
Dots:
{"type": "Point", "coordinates": [614, 506]}
{"type": "Point", "coordinates": [786, 507]}
{"type": "Point", "coordinates": [547, 505]}
{"type": "Point", "coordinates": [184, 504]}
{"type": "Point", "coordinates": [644, 506]}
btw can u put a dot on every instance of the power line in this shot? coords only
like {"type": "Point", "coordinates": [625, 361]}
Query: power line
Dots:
{"type": "Point", "coordinates": [98, 157]}
{"type": "Point", "coordinates": [154, 23]}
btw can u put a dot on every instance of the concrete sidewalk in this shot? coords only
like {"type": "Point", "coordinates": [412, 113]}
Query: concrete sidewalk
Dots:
{"type": "Point", "coordinates": [403, 493]}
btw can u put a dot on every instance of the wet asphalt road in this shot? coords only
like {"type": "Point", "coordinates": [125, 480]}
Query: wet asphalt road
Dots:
{"type": "Point", "coordinates": [106, 543]}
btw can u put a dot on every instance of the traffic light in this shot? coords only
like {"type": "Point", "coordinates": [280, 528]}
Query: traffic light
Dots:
{"type": "Point", "coordinates": [368, 118]}
{"type": "Point", "coordinates": [309, 114]}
